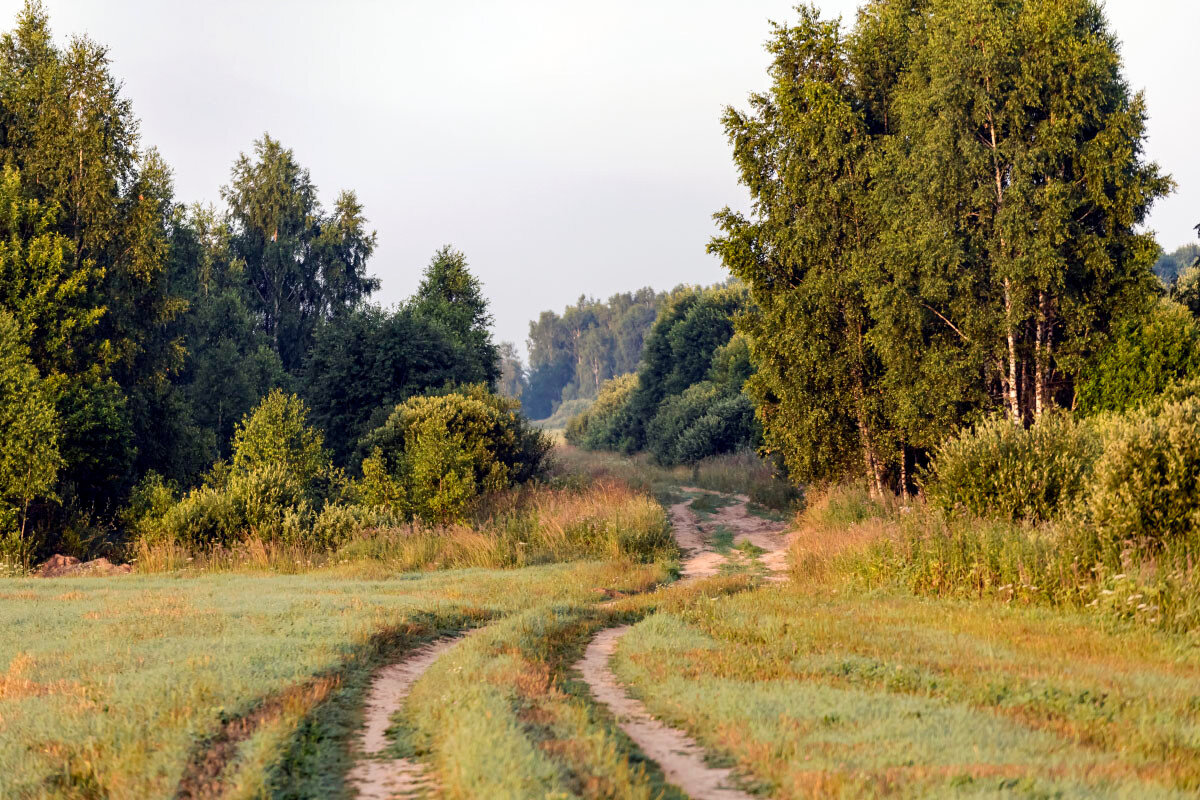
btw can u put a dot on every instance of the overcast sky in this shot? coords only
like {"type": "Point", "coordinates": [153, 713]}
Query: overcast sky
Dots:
{"type": "Point", "coordinates": [568, 148]}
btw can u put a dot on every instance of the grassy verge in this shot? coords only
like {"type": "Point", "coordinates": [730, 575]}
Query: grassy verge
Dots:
{"type": "Point", "coordinates": [108, 685]}
{"type": "Point", "coordinates": [527, 526]}
{"type": "Point", "coordinates": [822, 691]}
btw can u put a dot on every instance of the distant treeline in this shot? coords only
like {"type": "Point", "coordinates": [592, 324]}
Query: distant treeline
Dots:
{"type": "Point", "coordinates": [685, 401]}
{"type": "Point", "coordinates": [1171, 265]}
{"type": "Point", "coordinates": [571, 355]}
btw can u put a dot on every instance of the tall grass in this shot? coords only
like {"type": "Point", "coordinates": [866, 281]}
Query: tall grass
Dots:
{"type": "Point", "coordinates": [530, 525]}
{"type": "Point", "coordinates": [932, 553]}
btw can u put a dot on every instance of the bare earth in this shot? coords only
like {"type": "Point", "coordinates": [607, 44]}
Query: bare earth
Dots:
{"type": "Point", "coordinates": [701, 561]}
{"type": "Point", "coordinates": [679, 756]}
{"type": "Point", "coordinates": [376, 778]}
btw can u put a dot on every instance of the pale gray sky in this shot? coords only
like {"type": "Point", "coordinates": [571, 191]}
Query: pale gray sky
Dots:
{"type": "Point", "coordinates": [567, 148]}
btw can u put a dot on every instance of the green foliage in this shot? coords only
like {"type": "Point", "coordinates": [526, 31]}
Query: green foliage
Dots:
{"type": "Point", "coordinates": [1186, 288]}
{"type": "Point", "coordinates": [685, 402]}
{"type": "Point", "coordinates": [446, 450]}
{"type": "Point", "coordinates": [572, 356]}
{"type": "Point", "coordinates": [1145, 489]}
{"type": "Point", "coordinates": [961, 232]}
{"type": "Point", "coordinates": [604, 424]}
{"type": "Point", "coordinates": [365, 362]}
{"type": "Point", "coordinates": [231, 365]}
{"type": "Point", "coordinates": [1148, 353]}
{"type": "Point", "coordinates": [302, 264]}
{"type": "Point", "coordinates": [452, 298]}
{"type": "Point", "coordinates": [29, 455]}
{"type": "Point", "coordinates": [704, 420]}
{"type": "Point", "coordinates": [1001, 470]}
{"type": "Point", "coordinates": [277, 436]}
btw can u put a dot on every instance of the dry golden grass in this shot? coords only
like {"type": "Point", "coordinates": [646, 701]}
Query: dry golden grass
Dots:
{"type": "Point", "coordinates": [530, 525]}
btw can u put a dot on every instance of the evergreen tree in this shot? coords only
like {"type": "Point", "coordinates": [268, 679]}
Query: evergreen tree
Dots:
{"type": "Point", "coordinates": [451, 297]}
{"type": "Point", "coordinates": [301, 265]}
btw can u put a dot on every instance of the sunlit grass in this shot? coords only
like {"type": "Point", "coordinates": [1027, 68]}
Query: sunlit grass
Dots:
{"type": "Point", "coordinates": [108, 685]}
{"type": "Point", "coordinates": [531, 525]}
{"type": "Point", "coordinates": [820, 690]}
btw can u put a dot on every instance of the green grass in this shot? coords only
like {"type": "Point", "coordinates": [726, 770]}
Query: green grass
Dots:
{"type": "Point", "coordinates": [821, 691]}
{"type": "Point", "coordinates": [109, 686]}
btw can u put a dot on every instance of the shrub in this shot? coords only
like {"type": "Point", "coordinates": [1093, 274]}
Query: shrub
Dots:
{"type": "Point", "coordinates": [1146, 485]}
{"type": "Point", "coordinates": [998, 469]}
{"type": "Point", "coordinates": [277, 435]}
{"type": "Point", "coordinates": [604, 425]}
{"type": "Point", "coordinates": [703, 421]}
{"type": "Point", "coordinates": [1147, 354]}
{"type": "Point", "coordinates": [268, 503]}
{"type": "Point", "coordinates": [441, 452]}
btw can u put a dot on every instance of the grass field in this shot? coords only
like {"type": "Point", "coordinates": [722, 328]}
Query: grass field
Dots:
{"type": "Point", "coordinates": [819, 692]}
{"type": "Point", "coordinates": [249, 684]}
{"type": "Point", "coordinates": [118, 687]}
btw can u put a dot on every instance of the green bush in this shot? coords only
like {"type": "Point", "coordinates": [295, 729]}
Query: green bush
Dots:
{"type": "Point", "coordinates": [280, 473]}
{"type": "Point", "coordinates": [998, 469]}
{"type": "Point", "coordinates": [277, 434]}
{"type": "Point", "coordinates": [441, 452]}
{"type": "Point", "coordinates": [1145, 488]}
{"type": "Point", "coordinates": [605, 425]}
{"type": "Point", "coordinates": [703, 421]}
{"type": "Point", "coordinates": [1146, 356]}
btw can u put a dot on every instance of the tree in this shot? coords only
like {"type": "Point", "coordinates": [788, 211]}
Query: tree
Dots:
{"type": "Point", "coordinates": [804, 152]}
{"type": "Point", "coordinates": [301, 265]}
{"type": "Point", "coordinates": [364, 363]}
{"type": "Point", "coordinates": [946, 212]}
{"type": "Point", "coordinates": [29, 457]}
{"type": "Point", "coordinates": [230, 365]}
{"type": "Point", "coordinates": [1149, 352]}
{"type": "Point", "coordinates": [450, 296]}
{"type": "Point", "coordinates": [92, 217]}
{"type": "Point", "coordinates": [277, 435]}
{"type": "Point", "coordinates": [1017, 122]}
{"type": "Point", "coordinates": [512, 381]}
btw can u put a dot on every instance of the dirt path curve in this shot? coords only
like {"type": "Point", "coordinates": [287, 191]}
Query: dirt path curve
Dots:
{"type": "Point", "coordinates": [700, 560]}
{"type": "Point", "coordinates": [375, 778]}
{"type": "Point", "coordinates": [679, 756]}
{"type": "Point", "coordinates": [681, 759]}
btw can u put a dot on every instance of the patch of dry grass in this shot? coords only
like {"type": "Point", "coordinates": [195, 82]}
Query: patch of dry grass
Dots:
{"type": "Point", "coordinates": [604, 519]}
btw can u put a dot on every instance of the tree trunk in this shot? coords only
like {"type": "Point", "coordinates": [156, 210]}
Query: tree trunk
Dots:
{"type": "Point", "coordinates": [904, 473]}
{"type": "Point", "coordinates": [1042, 356]}
{"type": "Point", "coordinates": [1013, 386]}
